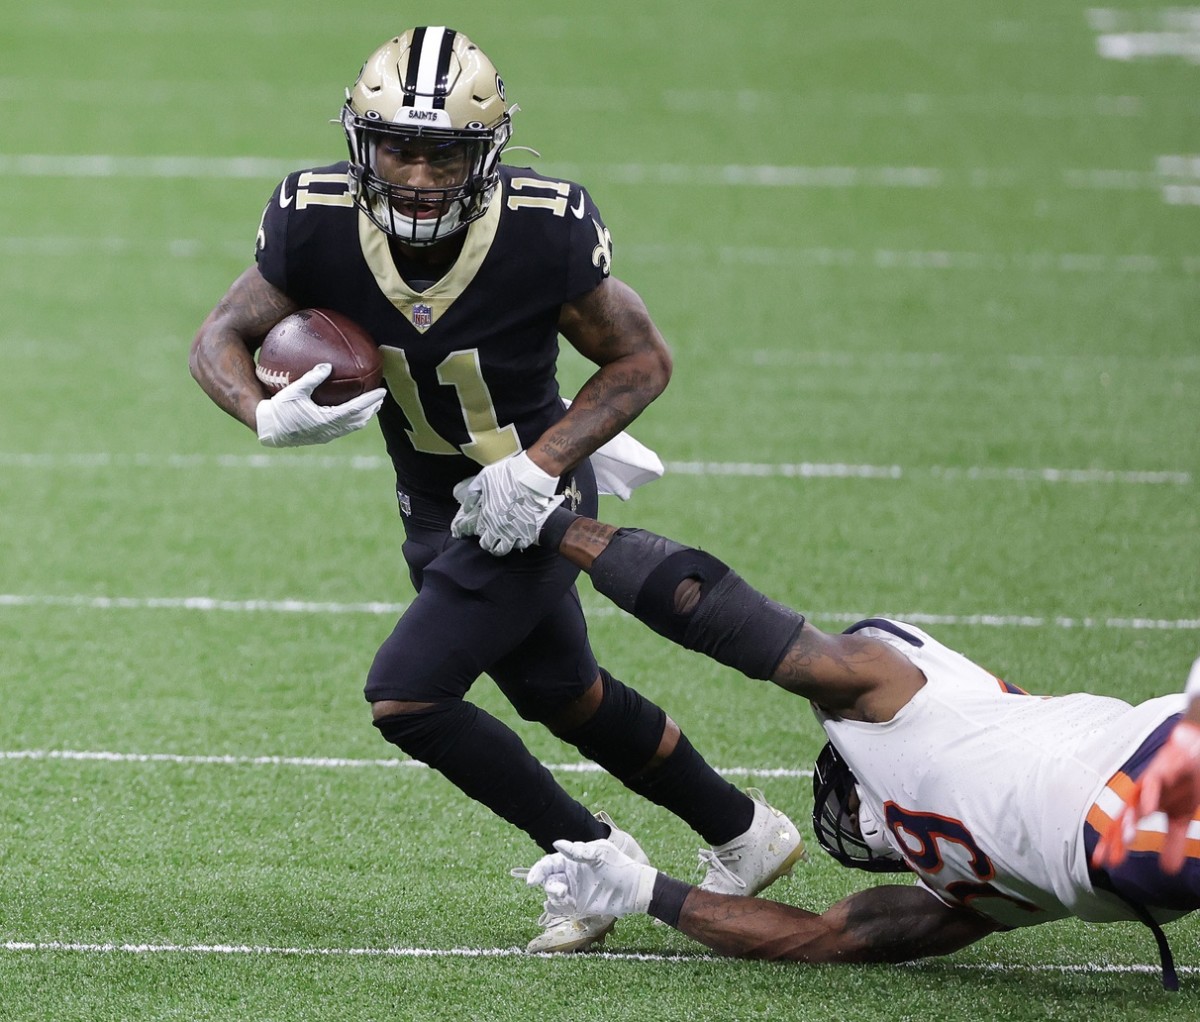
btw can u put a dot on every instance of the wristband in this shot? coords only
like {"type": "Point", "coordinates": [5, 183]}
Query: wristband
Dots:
{"type": "Point", "coordinates": [529, 474]}
{"type": "Point", "coordinates": [555, 527]}
{"type": "Point", "coordinates": [667, 900]}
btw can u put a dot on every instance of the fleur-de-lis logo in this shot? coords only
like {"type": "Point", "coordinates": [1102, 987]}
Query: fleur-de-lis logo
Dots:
{"type": "Point", "coordinates": [573, 496]}
{"type": "Point", "coordinates": [602, 253]}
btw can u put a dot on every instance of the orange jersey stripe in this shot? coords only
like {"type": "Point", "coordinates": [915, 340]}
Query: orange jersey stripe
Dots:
{"type": "Point", "coordinates": [1122, 785]}
{"type": "Point", "coordinates": [1098, 818]}
{"type": "Point", "coordinates": [1153, 841]}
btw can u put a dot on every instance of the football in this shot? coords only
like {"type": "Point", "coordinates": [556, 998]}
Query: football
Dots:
{"type": "Point", "coordinates": [302, 340]}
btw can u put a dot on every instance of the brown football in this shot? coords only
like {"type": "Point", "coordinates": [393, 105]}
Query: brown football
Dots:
{"type": "Point", "coordinates": [302, 340]}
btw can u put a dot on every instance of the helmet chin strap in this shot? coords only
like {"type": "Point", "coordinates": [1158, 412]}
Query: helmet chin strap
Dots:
{"type": "Point", "coordinates": [870, 829]}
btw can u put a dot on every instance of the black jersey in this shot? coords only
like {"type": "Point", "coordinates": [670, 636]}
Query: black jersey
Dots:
{"type": "Point", "coordinates": [469, 362]}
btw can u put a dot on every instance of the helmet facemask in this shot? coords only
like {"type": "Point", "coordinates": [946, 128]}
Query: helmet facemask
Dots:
{"type": "Point", "coordinates": [462, 166]}
{"type": "Point", "coordinates": [837, 818]}
{"type": "Point", "coordinates": [425, 124]}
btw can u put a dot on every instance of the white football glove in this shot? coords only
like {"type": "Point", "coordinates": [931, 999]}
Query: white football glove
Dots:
{"type": "Point", "coordinates": [505, 505]}
{"type": "Point", "coordinates": [291, 418]}
{"type": "Point", "coordinates": [466, 518]}
{"type": "Point", "coordinates": [592, 878]}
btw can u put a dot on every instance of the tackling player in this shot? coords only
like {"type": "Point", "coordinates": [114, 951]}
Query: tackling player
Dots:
{"type": "Point", "coordinates": [993, 798]}
{"type": "Point", "coordinates": [465, 272]}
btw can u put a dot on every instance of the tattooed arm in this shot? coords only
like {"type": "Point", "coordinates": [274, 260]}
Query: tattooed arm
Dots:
{"type": "Point", "coordinates": [880, 924]}
{"type": "Point", "coordinates": [611, 327]}
{"type": "Point", "coordinates": [222, 355]}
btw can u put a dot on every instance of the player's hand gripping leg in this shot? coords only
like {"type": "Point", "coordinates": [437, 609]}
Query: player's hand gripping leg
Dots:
{"type": "Point", "coordinates": [592, 878]}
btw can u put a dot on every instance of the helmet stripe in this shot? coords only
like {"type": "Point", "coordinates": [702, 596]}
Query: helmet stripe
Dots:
{"type": "Point", "coordinates": [426, 80]}
{"type": "Point", "coordinates": [414, 64]}
{"type": "Point", "coordinates": [443, 69]}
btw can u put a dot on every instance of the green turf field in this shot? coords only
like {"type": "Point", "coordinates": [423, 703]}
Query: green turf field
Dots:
{"type": "Point", "coordinates": [931, 275]}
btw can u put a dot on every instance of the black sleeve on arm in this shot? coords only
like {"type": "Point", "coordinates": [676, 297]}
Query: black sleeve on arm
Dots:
{"type": "Point", "coordinates": [728, 620]}
{"type": "Point", "coordinates": [667, 900]}
{"type": "Point", "coordinates": [555, 527]}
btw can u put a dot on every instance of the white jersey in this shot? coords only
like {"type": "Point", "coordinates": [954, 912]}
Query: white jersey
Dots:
{"type": "Point", "coordinates": [994, 818]}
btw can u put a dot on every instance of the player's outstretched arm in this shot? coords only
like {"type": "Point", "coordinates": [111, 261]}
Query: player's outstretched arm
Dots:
{"type": "Point", "coordinates": [881, 924]}
{"type": "Point", "coordinates": [1170, 785]}
{"type": "Point", "coordinates": [697, 601]}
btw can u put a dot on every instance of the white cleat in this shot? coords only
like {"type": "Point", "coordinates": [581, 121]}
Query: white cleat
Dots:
{"type": "Point", "coordinates": [564, 934]}
{"type": "Point", "coordinates": [756, 859]}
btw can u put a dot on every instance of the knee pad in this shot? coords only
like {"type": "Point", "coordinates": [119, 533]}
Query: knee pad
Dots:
{"type": "Point", "coordinates": [727, 620]}
{"type": "Point", "coordinates": [624, 732]}
{"type": "Point", "coordinates": [429, 735]}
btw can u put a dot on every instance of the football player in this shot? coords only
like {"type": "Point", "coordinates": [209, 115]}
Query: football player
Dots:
{"type": "Point", "coordinates": [994, 799]}
{"type": "Point", "coordinates": [465, 271]}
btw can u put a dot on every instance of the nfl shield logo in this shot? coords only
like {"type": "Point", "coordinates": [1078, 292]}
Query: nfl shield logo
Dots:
{"type": "Point", "coordinates": [422, 316]}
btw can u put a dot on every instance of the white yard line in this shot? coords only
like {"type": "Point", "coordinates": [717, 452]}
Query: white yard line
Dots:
{"type": "Point", "coordinates": [788, 470]}
{"type": "Point", "coordinates": [835, 176]}
{"type": "Point", "coordinates": [203, 603]}
{"type": "Point", "coordinates": [568, 961]}
{"type": "Point", "coordinates": [923, 260]}
{"type": "Point", "coordinates": [208, 604]}
{"type": "Point", "coordinates": [317, 762]}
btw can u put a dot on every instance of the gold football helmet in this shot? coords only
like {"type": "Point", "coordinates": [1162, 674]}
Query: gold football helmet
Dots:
{"type": "Point", "coordinates": [426, 122]}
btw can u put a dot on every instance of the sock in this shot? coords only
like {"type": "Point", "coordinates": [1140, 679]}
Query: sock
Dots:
{"type": "Point", "coordinates": [685, 784]}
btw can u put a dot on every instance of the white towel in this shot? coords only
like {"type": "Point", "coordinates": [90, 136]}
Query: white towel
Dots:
{"type": "Point", "coordinates": [623, 464]}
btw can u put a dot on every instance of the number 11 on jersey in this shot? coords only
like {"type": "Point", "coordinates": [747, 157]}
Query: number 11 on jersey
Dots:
{"type": "Point", "coordinates": [461, 370]}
